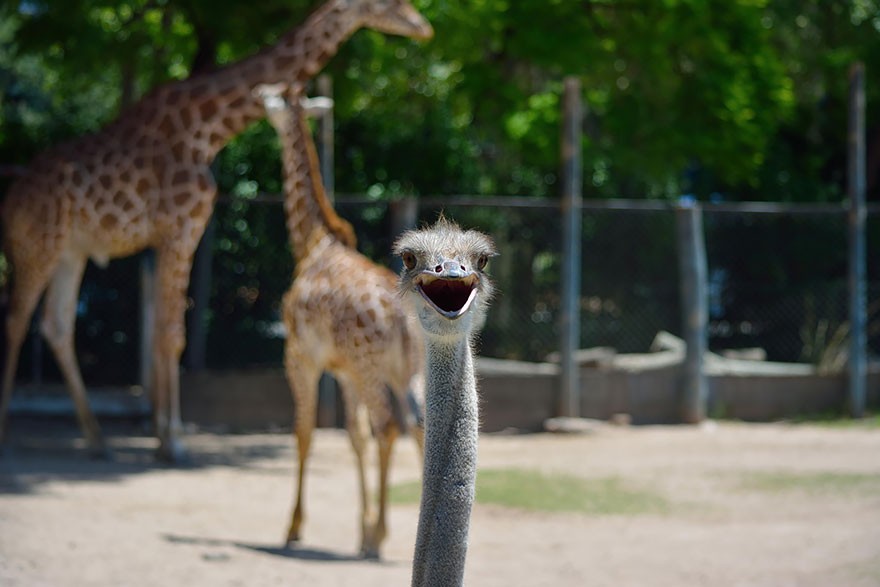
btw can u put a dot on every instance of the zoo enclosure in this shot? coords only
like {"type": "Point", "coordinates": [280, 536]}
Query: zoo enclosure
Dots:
{"type": "Point", "coordinates": [770, 277]}
{"type": "Point", "coordinates": [777, 280]}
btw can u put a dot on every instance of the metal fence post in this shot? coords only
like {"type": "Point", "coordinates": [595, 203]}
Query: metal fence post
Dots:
{"type": "Point", "coordinates": [200, 289]}
{"type": "Point", "coordinates": [404, 216]}
{"type": "Point", "coordinates": [328, 407]}
{"type": "Point", "coordinates": [148, 319]}
{"type": "Point", "coordinates": [857, 253]}
{"type": "Point", "coordinates": [326, 137]}
{"type": "Point", "coordinates": [572, 200]}
{"type": "Point", "coordinates": [694, 307]}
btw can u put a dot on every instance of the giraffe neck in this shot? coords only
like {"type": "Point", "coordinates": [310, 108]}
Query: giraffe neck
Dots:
{"type": "Point", "coordinates": [198, 116]}
{"type": "Point", "coordinates": [451, 427]}
{"type": "Point", "coordinates": [311, 220]}
{"type": "Point", "coordinates": [302, 52]}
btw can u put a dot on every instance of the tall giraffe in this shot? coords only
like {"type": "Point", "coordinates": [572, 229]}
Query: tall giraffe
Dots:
{"type": "Point", "coordinates": [144, 182]}
{"type": "Point", "coordinates": [343, 315]}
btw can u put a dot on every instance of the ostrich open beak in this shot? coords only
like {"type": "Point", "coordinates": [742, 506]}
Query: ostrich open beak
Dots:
{"type": "Point", "coordinates": [451, 297]}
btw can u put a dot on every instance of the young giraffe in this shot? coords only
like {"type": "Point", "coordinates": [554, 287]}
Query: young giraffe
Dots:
{"type": "Point", "coordinates": [144, 182]}
{"type": "Point", "coordinates": [343, 315]}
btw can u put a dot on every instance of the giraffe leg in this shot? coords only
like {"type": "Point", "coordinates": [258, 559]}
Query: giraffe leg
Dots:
{"type": "Point", "coordinates": [373, 412]}
{"type": "Point", "coordinates": [418, 434]}
{"type": "Point", "coordinates": [29, 282]}
{"type": "Point", "coordinates": [173, 266]}
{"type": "Point", "coordinates": [57, 327]}
{"type": "Point", "coordinates": [303, 379]}
{"type": "Point", "coordinates": [358, 425]}
{"type": "Point", "coordinates": [414, 400]}
{"type": "Point", "coordinates": [385, 440]}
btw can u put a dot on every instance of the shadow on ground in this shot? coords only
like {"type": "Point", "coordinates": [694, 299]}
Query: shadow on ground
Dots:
{"type": "Point", "coordinates": [296, 552]}
{"type": "Point", "coordinates": [40, 450]}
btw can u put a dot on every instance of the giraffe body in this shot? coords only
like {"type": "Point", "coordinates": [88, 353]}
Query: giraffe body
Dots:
{"type": "Point", "coordinates": [343, 315]}
{"type": "Point", "coordinates": [144, 182]}
{"type": "Point", "coordinates": [353, 329]}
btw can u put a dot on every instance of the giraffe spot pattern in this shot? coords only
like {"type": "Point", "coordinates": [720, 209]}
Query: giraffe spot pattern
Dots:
{"type": "Point", "coordinates": [109, 221]}
{"type": "Point", "coordinates": [186, 118]}
{"type": "Point", "coordinates": [181, 199]}
{"type": "Point", "coordinates": [180, 176]}
{"type": "Point", "coordinates": [119, 179]}
{"type": "Point", "coordinates": [179, 150]}
{"type": "Point", "coordinates": [173, 98]}
{"type": "Point", "coordinates": [166, 125]}
{"type": "Point", "coordinates": [77, 179]}
{"type": "Point", "coordinates": [208, 110]}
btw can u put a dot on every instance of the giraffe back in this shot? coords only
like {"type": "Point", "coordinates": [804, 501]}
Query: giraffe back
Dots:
{"type": "Point", "coordinates": [344, 311]}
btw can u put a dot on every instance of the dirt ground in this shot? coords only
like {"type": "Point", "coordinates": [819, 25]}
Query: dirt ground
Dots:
{"type": "Point", "coordinates": [813, 520]}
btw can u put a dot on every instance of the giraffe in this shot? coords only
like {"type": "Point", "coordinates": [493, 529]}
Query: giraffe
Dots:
{"type": "Point", "coordinates": [343, 315]}
{"type": "Point", "coordinates": [144, 182]}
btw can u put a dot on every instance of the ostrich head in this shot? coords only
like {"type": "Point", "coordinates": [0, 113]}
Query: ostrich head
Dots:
{"type": "Point", "coordinates": [443, 274]}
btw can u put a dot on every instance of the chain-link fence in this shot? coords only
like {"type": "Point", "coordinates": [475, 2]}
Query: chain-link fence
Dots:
{"type": "Point", "coordinates": [108, 330]}
{"type": "Point", "coordinates": [777, 282]}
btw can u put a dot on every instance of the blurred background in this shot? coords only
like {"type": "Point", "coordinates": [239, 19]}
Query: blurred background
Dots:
{"type": "Point", "coordinates": [722, 101]}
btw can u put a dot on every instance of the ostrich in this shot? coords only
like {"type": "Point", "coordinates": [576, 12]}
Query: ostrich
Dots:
{"type": "Point", "coordinates": [443, 278]}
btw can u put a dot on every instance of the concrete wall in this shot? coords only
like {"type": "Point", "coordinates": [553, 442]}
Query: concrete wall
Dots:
{"type": "Point", "coordinates": [521, 396]}
{"type": "Point", "coordinates": [516, 395]}
{"type": "Point", "coordinates": [513, 395]}
{"type": "Point", "coordinates": [238, 400]}
{"type": "Point", "coordinates": [768, 397]}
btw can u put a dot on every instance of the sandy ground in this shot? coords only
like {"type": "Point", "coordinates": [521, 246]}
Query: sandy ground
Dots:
{"type": "Point", "coordinates": [67, 520]}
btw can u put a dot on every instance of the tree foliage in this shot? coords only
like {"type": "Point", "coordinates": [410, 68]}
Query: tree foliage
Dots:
{"type": "Point", "coordinates": [730, 99]}
{"type": "Point", "coordinates": [741, 97]}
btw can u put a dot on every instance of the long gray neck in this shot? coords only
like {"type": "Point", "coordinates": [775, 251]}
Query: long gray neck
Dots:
{"type": "Point", "coordinates": [451, 422]}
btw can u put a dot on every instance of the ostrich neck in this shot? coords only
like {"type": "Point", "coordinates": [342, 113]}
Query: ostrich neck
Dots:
{"type": "Point", "coordinates": [451, 422]}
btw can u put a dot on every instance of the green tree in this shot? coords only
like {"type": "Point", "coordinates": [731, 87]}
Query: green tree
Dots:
{"type": "Point", "coordinates": [743, 97]}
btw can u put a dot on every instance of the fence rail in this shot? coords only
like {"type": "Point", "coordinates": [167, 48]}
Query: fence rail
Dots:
{"type": "Point", "coordinates": [776, 281]}
{"type": "Point", "coordinates": [772, 277]}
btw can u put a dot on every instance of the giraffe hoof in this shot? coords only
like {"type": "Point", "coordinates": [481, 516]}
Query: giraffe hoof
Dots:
{"type": "Point", "coordinates": [100, 453]}
{"type": "Point", "coordinates": [173, 453]}
{"type": "Point", "coordinates": [370, 553]}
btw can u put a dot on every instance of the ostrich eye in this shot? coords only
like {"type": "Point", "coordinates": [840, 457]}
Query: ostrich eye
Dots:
{"type": "Point", "coordinates": [409, 260]}
{"type": "Point", "coordinates": [481, 262]}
